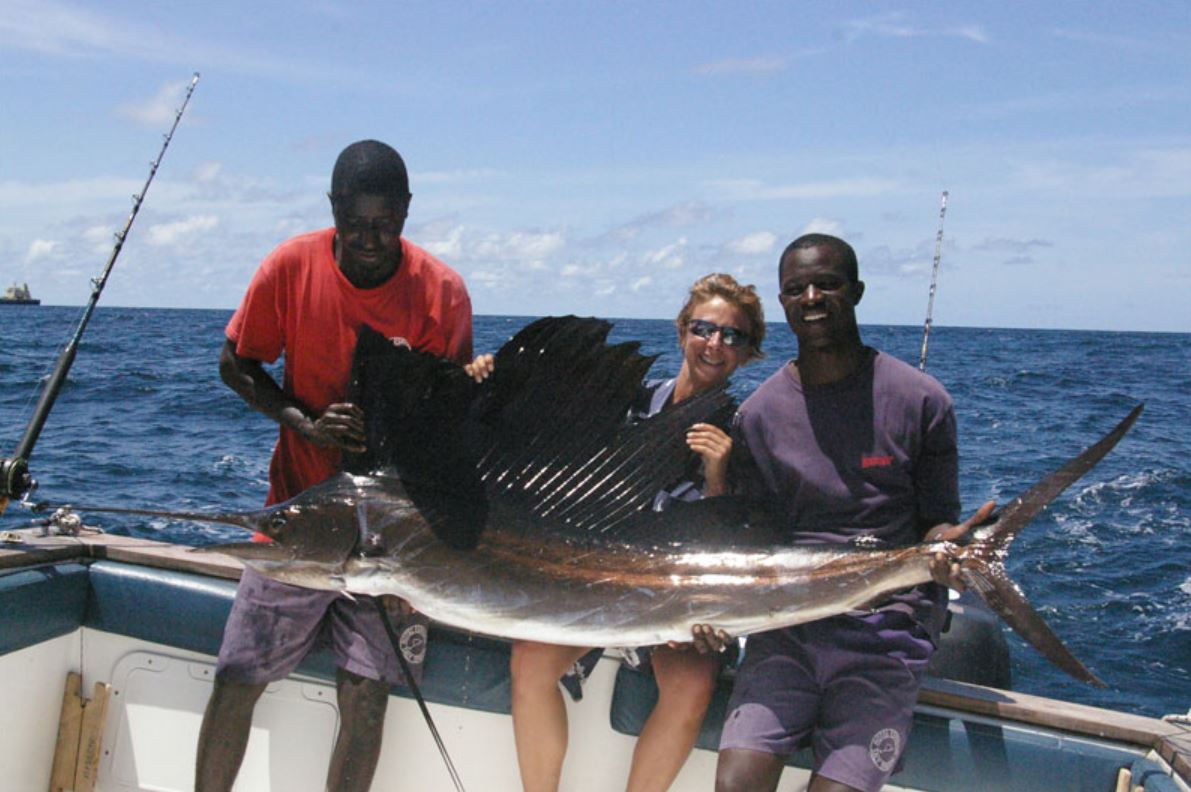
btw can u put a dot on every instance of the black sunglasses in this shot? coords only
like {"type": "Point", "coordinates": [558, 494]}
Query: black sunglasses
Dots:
{"type": "Point", "coordinates": [729, 335]}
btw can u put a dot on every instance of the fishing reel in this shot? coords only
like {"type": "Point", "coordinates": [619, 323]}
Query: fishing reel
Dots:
{"type": "Point", "coordinates": [15, 480]}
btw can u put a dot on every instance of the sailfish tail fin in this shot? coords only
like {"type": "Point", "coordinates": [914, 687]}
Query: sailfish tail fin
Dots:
{"type": "Point", "coordinates": [991, 582]}
{"type": "Point", "coordinates": [983, 567]}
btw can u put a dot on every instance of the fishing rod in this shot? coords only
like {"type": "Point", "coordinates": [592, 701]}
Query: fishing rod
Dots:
{"type": "Point", "coordinates": [416, 689]}
{"type": "Point", "coordinates": [934, 280]}
{"type": "Point", "coordinates": [15, 480]}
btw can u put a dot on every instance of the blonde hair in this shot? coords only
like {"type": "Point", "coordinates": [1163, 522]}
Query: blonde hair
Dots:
{"type": "Point", "coordinates": [724, 286]}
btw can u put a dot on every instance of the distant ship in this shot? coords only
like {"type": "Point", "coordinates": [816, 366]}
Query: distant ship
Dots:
{"type": "Point", "coordinates": [18, 295]}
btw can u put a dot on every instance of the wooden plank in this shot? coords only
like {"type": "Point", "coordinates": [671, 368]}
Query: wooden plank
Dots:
{"type": "Point", "coordinates": [167, 556]}
{"type": "Point", "coordinates": [91, 741]}
{"type": "Point", "coordinates": [1176, 750]}
{"type": "Point", "coordinates": [15, 556]}
{"type": "Point", "coordinates": [36, 549]}
{"type": "Point", "coordinates": [1051, 713]}
{"type": "Point", "coordinates": [70, 725]}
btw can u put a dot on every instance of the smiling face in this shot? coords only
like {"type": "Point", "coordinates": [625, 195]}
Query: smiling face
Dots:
{"type": "Point", "coordinates": [709, 362]}
{"type": "Point", "coordinates": [368, 237]}
{"type": "Point", "coordinates": [819, 298]}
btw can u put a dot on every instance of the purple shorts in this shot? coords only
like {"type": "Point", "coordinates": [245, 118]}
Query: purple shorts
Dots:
{"type": "Point", "coordinates": [274, 625]}
{"type": "Point", "coordinates": [844, 686]}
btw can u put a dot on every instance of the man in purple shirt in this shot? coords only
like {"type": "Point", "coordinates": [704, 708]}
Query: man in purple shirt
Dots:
{"type": "Point", "coordinates": [858, 447]}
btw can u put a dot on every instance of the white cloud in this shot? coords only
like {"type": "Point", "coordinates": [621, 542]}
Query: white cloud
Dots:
{"type": "Point", "coordinates": [892, 26]}
{"type": "Point", "coordinates": [672, 256]}
{"type": "Point", "coordinates": [683, 215]}
{"type": "Point", "coordinates": [970, 32]}
{"type": "Point", "coordinates": [98, 238]}
{"type": "Point", "coordinates": [207, 172]}
{"type": "Point", "coordinates": [158, 110]}
{"type": "Point", "coordinates": [41, 248]}
{"type": "Point", "coordinates": [97, 233]}
{"type": "Point", "coordinates": [447, 244]}
{"type": "Point", "coordinates": [518, 246]}
{"type": "Point", "coordinates": [644, 282]}
{"type": "Point", "coordinates": [823, 225]}
{"type": "Point", "coordinates": [287, 227]}
{"type": "Point", "coordinates": [176, 232]}
{"type": "Point", "coordinates": [911, 268]}
{"type": "Point", "coordinates": [1141, 173]}
{"type": "Point", "coordinates": [678, 216]}
{"type": "Point", "coordinates": [60, 29]}
{"type": "Point", "coordinates": [488, 279]}
{"type": "Point", "coordinates": [753, 244]}
{"type": "Point", "coordinates": [911, 262]}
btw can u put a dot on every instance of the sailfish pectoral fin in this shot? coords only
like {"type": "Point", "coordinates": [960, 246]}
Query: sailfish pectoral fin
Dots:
{"type": "Point", "coordinates": [991, 582]}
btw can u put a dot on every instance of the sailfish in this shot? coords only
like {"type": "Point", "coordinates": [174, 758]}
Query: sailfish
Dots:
{"type": "Point", "coordinates": [520, 508]}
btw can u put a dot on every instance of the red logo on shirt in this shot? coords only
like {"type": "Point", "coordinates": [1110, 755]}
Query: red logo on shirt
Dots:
{"type": "Point", "coordinates": [881, 461]}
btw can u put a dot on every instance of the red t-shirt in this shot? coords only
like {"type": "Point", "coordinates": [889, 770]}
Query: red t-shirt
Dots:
{"type": "Point", "coordinates": [299, 303]}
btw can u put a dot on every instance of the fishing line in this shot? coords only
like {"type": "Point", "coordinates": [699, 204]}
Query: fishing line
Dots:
{"type": "Point", "coordinates": [417, 691]}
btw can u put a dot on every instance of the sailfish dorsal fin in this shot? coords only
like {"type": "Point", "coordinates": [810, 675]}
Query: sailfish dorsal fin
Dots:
{"type": "Point", "coordinates": [544, 436]}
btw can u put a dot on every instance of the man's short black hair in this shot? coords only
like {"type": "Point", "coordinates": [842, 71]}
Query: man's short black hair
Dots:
{"type": "Point", "coordinates": [369, 167]}
{"type": "Point", "coordinates": [845, 251]}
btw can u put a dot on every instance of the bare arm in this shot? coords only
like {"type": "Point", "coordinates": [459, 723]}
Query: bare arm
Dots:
{"type": "Point", "coordinates": [340, 425]}
{"type": "Point", "coordinates": [715, 446]}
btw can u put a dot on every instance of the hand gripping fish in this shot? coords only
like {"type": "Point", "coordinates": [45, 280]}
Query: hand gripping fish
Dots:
{"type": "Point", "coordinates": [520, 508]}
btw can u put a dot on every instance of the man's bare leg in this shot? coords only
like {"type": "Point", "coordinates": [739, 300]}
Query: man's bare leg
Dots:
{"type": "Point", "coordinates": [362, 704]}
{"type": "Point", "coordinates": [740, 770]}
{"type": "Point", "coordinates": [223, 737]}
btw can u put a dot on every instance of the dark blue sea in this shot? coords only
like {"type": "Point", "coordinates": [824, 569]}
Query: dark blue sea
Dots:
{"type": "Point", "coordinates": [144, 420]}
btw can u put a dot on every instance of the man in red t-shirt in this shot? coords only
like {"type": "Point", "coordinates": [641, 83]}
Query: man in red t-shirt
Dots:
{"type": "Point", "coordinates": [307, 301]}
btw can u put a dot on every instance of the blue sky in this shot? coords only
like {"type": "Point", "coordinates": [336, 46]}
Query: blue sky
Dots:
{"type": "Point", "coordinates": [595, 158]}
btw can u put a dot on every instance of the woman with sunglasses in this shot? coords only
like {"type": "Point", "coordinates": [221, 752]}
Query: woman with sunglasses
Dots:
{"type": "Point", "coordinates": [720, 327]}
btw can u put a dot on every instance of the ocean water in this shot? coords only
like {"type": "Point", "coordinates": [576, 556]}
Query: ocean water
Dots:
{"type": "Point", "coordinates": [145, 421]}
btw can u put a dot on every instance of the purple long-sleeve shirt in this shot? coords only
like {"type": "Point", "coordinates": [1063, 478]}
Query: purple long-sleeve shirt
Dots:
{"type": "Point", "coordinates": [873, 455]}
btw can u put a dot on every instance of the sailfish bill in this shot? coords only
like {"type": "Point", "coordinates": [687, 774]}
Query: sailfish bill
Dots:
{"type": "Point", "coordinates": [520, 508]}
